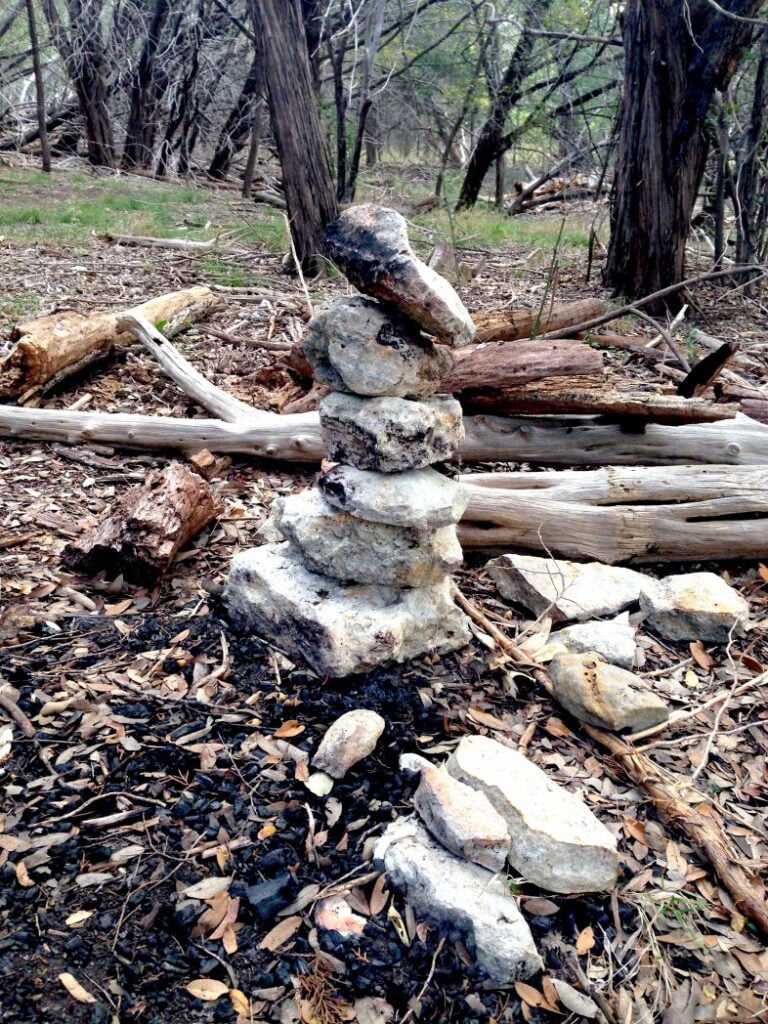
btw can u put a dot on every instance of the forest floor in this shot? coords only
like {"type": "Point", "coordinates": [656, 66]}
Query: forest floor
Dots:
{"type": "Point", "coordinates": [157, 762]}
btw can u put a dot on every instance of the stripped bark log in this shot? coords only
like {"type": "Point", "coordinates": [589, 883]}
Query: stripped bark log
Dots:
{"type": "Point", "coordinates": [142, 536]}
{"type": "Point", "coordinates": [565, 441]}
{"type": "Point", "coordinates": [512, 324]}
{"type": "Point", "coordinates": [682, 513]}
{"type": "Point", "coordinates": [500, 365]}
{"type": "Point", "coordinates": [53, 347]}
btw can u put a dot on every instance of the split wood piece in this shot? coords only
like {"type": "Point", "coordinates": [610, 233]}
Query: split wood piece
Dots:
{"type": "Point", "coordinates": [666, 791]}
{"type": "Point", "coordinates": [514, 324]}
{"type": "Point", "coordinates": [562, 396]}
{"type": "Point", "coordinates": [53, 347]}
{"type": "Point", "coordinates": [500, 365]}
{"type": "Point", "coordinates": [614, 515]}
{"type": "Point", "coordinates": [151, 523]}
{"type": "Point", "coordinates": [565, 441]}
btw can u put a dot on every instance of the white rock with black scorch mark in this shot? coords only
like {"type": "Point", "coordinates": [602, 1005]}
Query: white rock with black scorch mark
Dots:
{"type": "Point", "coordinates": [565, 590]}
{"type": "Point", "coordinates": [446, 890]}
{"type": "Point", "coordinates": [341, 545]}
{"type": "Point", "coordinates": [556, 841]}
{"type": "Point", "coordinates": [350, 739]}
{"type": "Point", "coordinates": [605, 695]}
{"type": "Point", "coordinates": [354, 345]}
{"type": "Point", "coordinates": [390, 434]}
{"type": "Point", "coordinates": [338, 628]}
{"type": "Point", "coordinates": [370, 244]}
{"type": "Point", "coordinates": [694, 606]}
{"type": "Point", "coordinates": [421, 499]}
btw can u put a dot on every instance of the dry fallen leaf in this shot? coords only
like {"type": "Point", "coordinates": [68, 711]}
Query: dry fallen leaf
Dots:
{"type": "Point", "coordinates": [281, 933]}
{"type": "Point", "coordinates": [240, 1002]}
{"type": "Point", "coordinates": [207, 989]}
{"type": "Point", "coordinates": [208, 888]}
{"type": "Point", "coordinates": [488, 721]}
{"type": "Point", "coordinates": [573, 1000]}
{"type": "Point", "coordinates": [288, 729]}
{"type": "Point", "coordinates": [75, 989]}
{"type": "Point", "coordinates": [585, 941]}
{"type": "Point", "coordinates": [700, 656]}
{"type": "Point", "coordinates": [79, 917]}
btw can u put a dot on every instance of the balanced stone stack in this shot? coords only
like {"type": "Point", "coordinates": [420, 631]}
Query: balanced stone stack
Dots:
{"type": "Point", "coordinates": [363, 575]}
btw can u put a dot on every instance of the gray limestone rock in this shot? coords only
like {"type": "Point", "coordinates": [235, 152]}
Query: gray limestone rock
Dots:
{"type": "Point", "coordinates": [341, 545]}
{"type": "Point", "coordinates": [565, 590]}
{"type": "Point", "coordinates": [348, 740]}
{"type": "Point", "coordinates": [355, 345]}
{"type": "Point", "coordinates": [556, 841]}
{"type": "Point", "coordinates": [604, 695]}
{"type": "Point", "coordinates": [447, 890]}
{"type": "Point", "coordinates": [370, 244]}
{"type": "Point", "coordinates": [338, 628]}
{"type": "Point", "coordinates": [460, 818]}
{"type": "Point", "coordinates": [390, 434]}
{"type": "Point", "coordinates": [694, 606]}
{"type": "Point", "coordinates": [422, 499]}
{"type": "Point", "coordinates": [612, 639]}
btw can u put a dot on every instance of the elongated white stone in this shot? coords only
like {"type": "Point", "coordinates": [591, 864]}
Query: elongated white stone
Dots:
{"type": "Point", "coordinates": [352, 737]}
{"type": "Point", "coordinates": [370, 244]}
{"type": "Point", "coordinates": [447, 890]}
{"type": "Point", "coordinates": [422, 499]}
{"type": "Point", "coordinates": [390, 434]}
{"type": "Point", "coordinates": [345, 547]}
{"type": "Point", "coordinates": [556, 841]}
{"type": "Point", "coordinates": [338, 628]}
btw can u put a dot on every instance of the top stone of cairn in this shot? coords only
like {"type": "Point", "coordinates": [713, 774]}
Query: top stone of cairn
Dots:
{"type": "Point", "coordinates": [370, 245]}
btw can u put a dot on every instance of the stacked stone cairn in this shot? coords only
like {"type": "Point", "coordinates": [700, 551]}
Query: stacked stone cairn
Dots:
{"type": "Point", "coordinates": [363, 576]}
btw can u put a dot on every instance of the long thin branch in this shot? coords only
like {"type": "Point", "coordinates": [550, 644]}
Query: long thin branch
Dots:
{"type": "Point", "coordinates": [631, 307]}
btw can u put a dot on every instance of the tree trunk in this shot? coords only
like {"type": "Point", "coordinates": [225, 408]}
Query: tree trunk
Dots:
{"type": "Point", "coordinates": [676, 56]}
{"type": "Point", "coordinates": [296, 126]}
{"type": "Point", "coordinates": [683, 513]}
{"type": "Point", "coordinates": [750, 157]}
{"type": "Point", "coordinates": [142, 536]}
{"type": "Point", "coordinates": [490, 141]}
{"type": "Point", "coordinates": [45, 151]}
{"type": "Point", "coordinates": [148, 84]}
{"type": "Point", "coordinates": [240, 122]}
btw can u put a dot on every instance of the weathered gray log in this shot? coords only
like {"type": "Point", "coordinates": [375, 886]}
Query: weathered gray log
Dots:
{"type": "Point", "coordinates": [565, 441]}
{"type": "Point", "coordinates": [622, 514]}
{"type": "Point", "coordinates": [142, 535]}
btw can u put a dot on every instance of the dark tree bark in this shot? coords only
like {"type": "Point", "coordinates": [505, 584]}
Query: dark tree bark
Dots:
{"type": "Point", "coordinates": [676, 56]}
{"type": "Point", "coordinates": [749, 200]}
{"type": "Point", "coordinates": [490, 143]}
{"type": "Point", "coordinates": [149, 83]}
{"type": "Point", "coordinates": [237, 128]}
{"type": "Point", "coordinates": [45, 149]}
{"type": "Point", "coordinates": [81, 48]}
{"type": "Point", "coordinates": [307, 180]}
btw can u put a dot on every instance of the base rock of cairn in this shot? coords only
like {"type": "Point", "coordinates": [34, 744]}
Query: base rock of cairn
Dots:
{"type": "Point", "coordinates": [363, 577]}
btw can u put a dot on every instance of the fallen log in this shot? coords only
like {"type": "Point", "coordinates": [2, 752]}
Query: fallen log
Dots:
{"type": "Point", "coordinates": [565, 441]}
{"type": "Point", "coordinates": [499, 365]}
{"type": "Point", "coordinates": [512, 324]}
{"type": "Point", "coordinates": [562, 396]}
{"type": "Point", "coordinates": [53, 347]}
{"type": "Point", "coordinates": [142, 536]}
{"type": "Point", "coordinates": [682, 513]}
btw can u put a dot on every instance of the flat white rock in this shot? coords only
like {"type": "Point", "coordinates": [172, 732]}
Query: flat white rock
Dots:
{"type": "Point", "coordinates": [390, 434]}
{"type": "Point", "coordinates": [338, 544]}
{"type": "Point", "coordinates": [565, 590]}
{"type": "Point", "coordinates": [605, 695]}
{"type": "Point", "coordinates": [338, 628]}
{"type": "Point", "coordinates": [444, 889]}
{"type": "Point", "coordinates": [355, 345]}
{"type": "Point", "coordinates": [694, 606]}
{"type": "Point", "coordinates": [422, 499]}
{"type": "Point", "coordinates": [370, 244]}
{"type": "Point", "coordinates": [459, 817]}
{"type": "Point", "coordinates": [348, 740]}
{"type": "Point", "coordinates": [612, 639]}
{"type": "Point", "coordinates": [556, 841]}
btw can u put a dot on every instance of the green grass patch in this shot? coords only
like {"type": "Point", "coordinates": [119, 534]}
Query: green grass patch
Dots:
{"type": "Point", "coordinates": [486, 228]}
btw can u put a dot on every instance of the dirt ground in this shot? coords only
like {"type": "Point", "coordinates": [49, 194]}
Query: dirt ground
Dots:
{"type": "Point", "coordinates": [165, 746]}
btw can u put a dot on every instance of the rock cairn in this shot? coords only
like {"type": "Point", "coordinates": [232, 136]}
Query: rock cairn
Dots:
{"type": "Point", "coordinates": [363, 575]}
